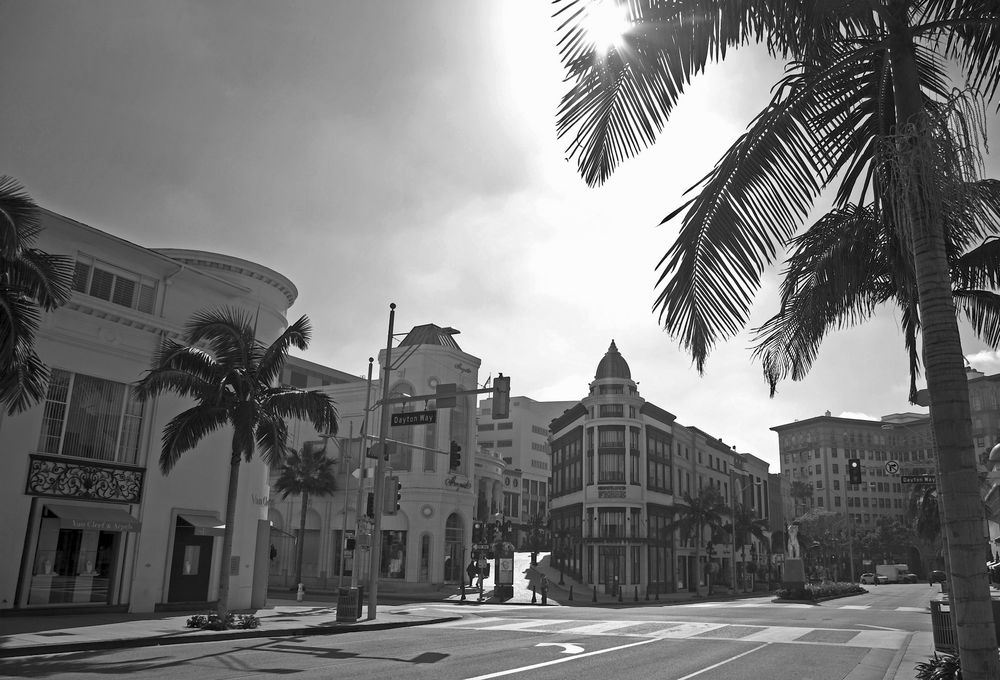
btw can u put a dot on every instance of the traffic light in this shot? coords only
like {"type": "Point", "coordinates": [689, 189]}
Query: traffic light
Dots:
{"type": "Point", "coordinates": [455, 456]}
{"type": "Point", "coordinates": [370, 505]}
{"type": "Point", "coordinates": [393, 496]}
{"type": "Point", "coordinates": [477, 532]}
{"type": "Point", "coordinates": [854, 470]}
{"type": "Point", "coordinates": [501, 397]}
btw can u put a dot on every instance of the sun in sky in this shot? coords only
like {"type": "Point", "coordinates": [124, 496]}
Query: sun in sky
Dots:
{"type": "Point", "coordinates": [606, 23]}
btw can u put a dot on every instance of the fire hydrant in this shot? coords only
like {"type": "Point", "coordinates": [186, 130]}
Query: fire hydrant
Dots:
{"type": "Point", "coordinates": [300, 593]}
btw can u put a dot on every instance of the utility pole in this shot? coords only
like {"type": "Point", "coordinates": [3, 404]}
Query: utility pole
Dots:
{"type": "Point", "coordinates": [362, 459]}
{"type": "Point", "coordinates": [374, 568]}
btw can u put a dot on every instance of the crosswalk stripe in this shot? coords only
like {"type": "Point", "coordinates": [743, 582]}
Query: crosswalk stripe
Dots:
{"type": "Point", "coordinates": [854, 606]}
{"type": "Point", "coordinates": [912, 609]}
{"type": "Point", "coordinates": [676, 630]}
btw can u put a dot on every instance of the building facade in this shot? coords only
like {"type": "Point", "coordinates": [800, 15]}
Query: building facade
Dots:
{"type": "Point", "coordinates": [522, 443]}
{"type": "Point", "coordinates": [621, 466]}
{"type": "Point", "coordinates": [427, 541]}
{"type": "Point", "coordinates": [91, 520]}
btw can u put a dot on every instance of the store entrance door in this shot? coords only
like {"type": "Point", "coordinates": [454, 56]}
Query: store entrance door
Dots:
{"type": "Point", "coordinates": [190, 565]}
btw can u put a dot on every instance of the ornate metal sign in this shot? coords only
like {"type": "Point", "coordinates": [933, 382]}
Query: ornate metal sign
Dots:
{"type": "Point", "coordinates": [61, 477]}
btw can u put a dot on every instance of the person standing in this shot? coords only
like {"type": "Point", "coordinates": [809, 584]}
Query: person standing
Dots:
{"type": "Point", "coordinates": [472, 570]}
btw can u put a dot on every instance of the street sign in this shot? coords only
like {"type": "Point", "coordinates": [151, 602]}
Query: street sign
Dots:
{"type": "Point", "coordinates": [413, 418]}
{"type": "Point", "coordinates": [892, 467]}
{"type": "Point", "coordinates": [919, 479]}
{"type": "Point", "coordinates": [481, 546]}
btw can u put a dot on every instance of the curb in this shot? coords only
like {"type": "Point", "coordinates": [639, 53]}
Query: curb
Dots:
{"type": "Point", "coordinates": [236, 634]}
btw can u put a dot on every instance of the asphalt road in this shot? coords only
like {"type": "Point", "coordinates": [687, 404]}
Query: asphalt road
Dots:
{"type": "Point", "coordinates": [855, 638]}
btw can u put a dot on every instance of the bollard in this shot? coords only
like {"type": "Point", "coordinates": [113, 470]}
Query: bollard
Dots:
{"type": "Point", "coordinates": [595, 594]}
{"type": "Point", "coordinates": [656, 593]}
{"type": "Point", "coordinates": [636, 596]}
{"type": "Point", "coordinates": [545, 595]}
{"type": "Point", "coordinates": [571, 593]}
{"type": "Point", "coordinates": [647, 593]}
{"type": "Point", "coordinates": [463, 591]}
{"type": "Point", "coordinates": [534, 600]}
{"type": "Point", "coordinates": [300, 593]}
{"type": "Point", "coordinates": [619, 593]}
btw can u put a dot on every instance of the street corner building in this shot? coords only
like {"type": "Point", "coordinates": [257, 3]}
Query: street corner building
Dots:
{"type": "Point", "coordinates": [426, 521]}
{"type": "Point", "coordinates": [621, 467]}
{"type": "Point", "coordinates": [90, 521]}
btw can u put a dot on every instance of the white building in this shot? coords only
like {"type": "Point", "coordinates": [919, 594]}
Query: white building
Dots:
{"type": "Point", "coordinates": [426, 543]}
{"type": "Point", "coordinates": [90, 519]}
{"type": "Point", "coordinates": [522, 442]}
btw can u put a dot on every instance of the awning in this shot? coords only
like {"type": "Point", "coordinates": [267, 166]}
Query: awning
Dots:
{"type": "Point", "coordinates": [204, 525]}
{"type": "Point", "coordinates": [94, 518]}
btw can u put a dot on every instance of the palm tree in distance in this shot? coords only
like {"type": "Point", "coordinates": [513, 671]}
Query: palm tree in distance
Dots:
{"type": "Point", "coordinates": [925, 517]}
{"type": "Point", "coordinates": [31, 281]}
{"type": "Point", "coordinates": [800, 491]}
{"type": "Point", "coordinates": [694, 516]}
{"type": "Point", "coordinates": [230, 375]}
{"type": "Point", "coordinates": [858, 109]}
{"type": "Point", "coordinates": [306, 473]}
{"type": "Point", "coordinates": [747, 525]}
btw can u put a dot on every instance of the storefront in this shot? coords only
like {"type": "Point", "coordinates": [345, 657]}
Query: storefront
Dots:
{"type": "Point", "coordinates": [78, 554]}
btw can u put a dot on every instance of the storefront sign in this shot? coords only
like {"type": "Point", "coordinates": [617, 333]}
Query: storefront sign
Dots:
{"type": "Point", "coordinates": [611, 492]}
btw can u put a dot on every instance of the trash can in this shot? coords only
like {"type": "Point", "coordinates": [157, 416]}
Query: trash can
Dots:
{"type": "Point", "coordinates": [349, 604]}
{"type": "Point", "coordinates": [941, 624]}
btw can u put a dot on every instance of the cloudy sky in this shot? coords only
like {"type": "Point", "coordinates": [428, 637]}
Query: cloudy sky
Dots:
{"type": "Point", "coordinates": [380, 151]}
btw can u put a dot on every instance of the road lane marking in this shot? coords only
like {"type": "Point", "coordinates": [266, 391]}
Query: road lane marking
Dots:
{"type": "Point", "coordinates": [512, 671]}
{"type": "Point", "coordinates": [723, 662]}
{"type": "Point", "coordinates": [600, 627]}
{"type": "Point", "coordinates": [568, 648]}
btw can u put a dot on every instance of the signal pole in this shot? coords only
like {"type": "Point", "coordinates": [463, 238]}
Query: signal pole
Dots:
{"type": "Point", "coordinates": [362, 460]}
{"type": "Point", "coordinates": [374, 569]}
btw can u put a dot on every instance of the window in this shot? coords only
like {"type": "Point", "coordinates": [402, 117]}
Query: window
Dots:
{"type": "Point", "coordinates": [540, 430]}
{"type": "Point", "coordinates": [612, 410]}
{"type": "Point", "coordinates": [486, 427]}
{"type": "Point", "coordinates": [505, 426]}
{"type": "Point", "coordinates": [106, 282]}
{"type": "Point", "coordinates": [505, 443]}
{"type": "Point", "coordinates": [90, 418]}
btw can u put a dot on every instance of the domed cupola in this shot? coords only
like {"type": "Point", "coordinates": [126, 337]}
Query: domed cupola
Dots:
{"type": "Point", "coordinates": [613, 365]}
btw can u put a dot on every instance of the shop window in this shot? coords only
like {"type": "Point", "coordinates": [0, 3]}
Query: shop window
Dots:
{"type": "Point", "coordinates": [393, 555]}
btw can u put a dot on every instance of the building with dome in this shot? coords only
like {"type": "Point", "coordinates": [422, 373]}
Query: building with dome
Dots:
{"type": "Point", "coordinates": [620, 465]}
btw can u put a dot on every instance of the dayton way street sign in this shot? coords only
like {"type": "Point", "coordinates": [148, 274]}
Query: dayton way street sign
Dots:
{"type": "Point", "coordinates": [414, 418]}
{"type": "Point", "coordinates": [919, 479]}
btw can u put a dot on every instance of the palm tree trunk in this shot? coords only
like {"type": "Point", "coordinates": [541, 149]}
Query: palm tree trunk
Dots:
{"type": "Point", "coordinates": [948, 386]}
{"type": "Point", "coordinates": [227, 539]}
{"type": "Point", "coordinates": [301, 543]}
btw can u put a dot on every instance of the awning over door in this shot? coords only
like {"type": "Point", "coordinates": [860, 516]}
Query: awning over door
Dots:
{"type": "Point", "coordinates": [94, 518]}
{"type": "Point", "coordinates": [204, 525]}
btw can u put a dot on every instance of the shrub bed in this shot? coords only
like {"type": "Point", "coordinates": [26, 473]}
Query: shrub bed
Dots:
{"type": "Point", "coordinates": [212, 621]}
{"type": "Point", "coordinates": [820, 591]}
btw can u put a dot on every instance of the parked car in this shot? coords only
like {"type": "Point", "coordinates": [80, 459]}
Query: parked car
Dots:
{"type": "Point", "coordinates": [937, 576]}
{"type": "Point", "coordinates": [881, 579]}
{"type": "Point", "coordinates": [908, 578]}
{"type": "Point", "coordinates": [868, 578]}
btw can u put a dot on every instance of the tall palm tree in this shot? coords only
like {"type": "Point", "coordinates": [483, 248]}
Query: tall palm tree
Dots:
{"type": "Point", "coordinates": [31, 281]}
{"type": "Point", "coordinates": [855, 109]}
{"type": "Point", "coordinates": [925, 517]}
{"type": "Point", "coordinates": [306, 473]}
{"type": "Point", "coordinates": [747, 526]}
{"type": "Point", "coordinates": [707, 510]}
{"type": "Point", "coordinates": [800, 491]}
{"type": "Point", "coordinates": [230, 375]}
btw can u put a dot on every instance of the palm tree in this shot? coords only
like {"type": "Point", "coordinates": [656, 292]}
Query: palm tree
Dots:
{"type": "Point", "coordinates": [698, 513]}
{"type": "Point", "coordinates": [537, 528]}
{"type": "Point", "coordinates": [30, 280]}
{"type": "Point", "coordinates": [800, 491]}
{"type": "Point", "coordinates": [925, 517]}
{"type": "Point", "coordinates": [306, 473]}
{"type": "Point", "coordinates": [230, 374]}
{"type": "Point", "coordinates": [857, 107]}
{"type": "Point", "coordinates": [746, 524]}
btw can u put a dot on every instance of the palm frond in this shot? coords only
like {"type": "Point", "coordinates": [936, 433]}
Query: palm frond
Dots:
{"type": "Point", "coordinates": [227, 332]}
{"type": "Point", "coordinates": [188, 371]}
{"type": "Point", "coordinates": [183, 432]}
{"type": "Point", "coordinates": [982, 309]}
{"type": "Point", "coordinates": [271, 361]}
{"type": "Point", "coordinates": [20, 222]}
{"type": "Point", "coordinates": [315, 407]}
{"type": "Point", "coordinates": [271, 435]}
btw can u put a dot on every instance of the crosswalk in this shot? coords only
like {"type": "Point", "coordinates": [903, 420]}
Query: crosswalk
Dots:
{"type": "Point", "coordinates": [797, 605]}
{"type": "Point", "coordinates": [687, 630]}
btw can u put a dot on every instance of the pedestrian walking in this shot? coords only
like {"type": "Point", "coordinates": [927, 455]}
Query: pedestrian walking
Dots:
{"type": "Point", "coordinates": [472, 570]}
{"type": "Point", "coordinates": [545, 589]}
